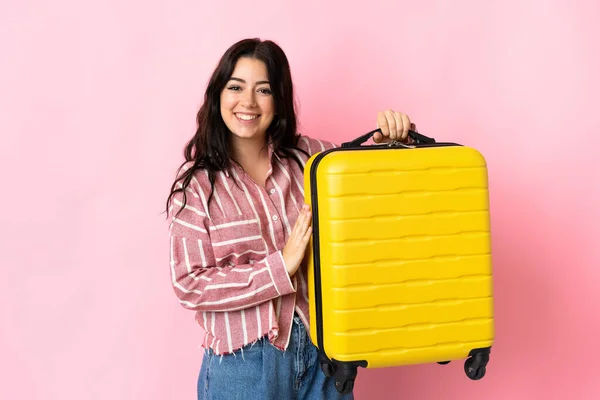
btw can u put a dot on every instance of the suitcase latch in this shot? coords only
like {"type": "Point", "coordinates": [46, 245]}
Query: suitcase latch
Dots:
{"type": "Point", "coordinates": [395, 143]}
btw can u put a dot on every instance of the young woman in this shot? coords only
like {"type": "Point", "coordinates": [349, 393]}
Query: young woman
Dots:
{"type": "Point", "coordinates": [239, 230]}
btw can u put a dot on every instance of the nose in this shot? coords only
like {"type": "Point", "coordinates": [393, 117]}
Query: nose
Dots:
{"type": "Point", "coordinates": [248, 99]}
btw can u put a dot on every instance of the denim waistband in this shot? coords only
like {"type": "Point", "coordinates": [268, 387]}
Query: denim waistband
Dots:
{"type": "Point", "coordinates": [297, 327]}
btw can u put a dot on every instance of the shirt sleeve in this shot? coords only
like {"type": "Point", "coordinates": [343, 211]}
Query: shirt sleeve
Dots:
{"type": "Point", "coordinates": [312, 145]}
{"type": "Point", "coordinates": [199, 283]}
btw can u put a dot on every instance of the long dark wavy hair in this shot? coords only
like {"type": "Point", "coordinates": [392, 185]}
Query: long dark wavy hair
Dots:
{"type": "Point", "coordinates": [209, 147]}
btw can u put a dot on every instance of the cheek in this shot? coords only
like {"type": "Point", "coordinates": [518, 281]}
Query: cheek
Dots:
{"type": "Point", "coordinates": [268, 106]}
{"type": "Point", "coordinates": [227, 102]}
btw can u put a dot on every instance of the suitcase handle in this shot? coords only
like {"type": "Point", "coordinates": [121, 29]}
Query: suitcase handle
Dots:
{"type": "Point", "coordinates": [361, 139]}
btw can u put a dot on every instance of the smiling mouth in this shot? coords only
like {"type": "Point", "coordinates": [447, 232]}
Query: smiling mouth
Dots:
{"type": "Point", "coordinates": [247, 117]}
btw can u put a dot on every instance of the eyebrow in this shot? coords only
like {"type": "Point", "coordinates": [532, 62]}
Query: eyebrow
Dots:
{"type": "Point", "coordinates": [243, 81]}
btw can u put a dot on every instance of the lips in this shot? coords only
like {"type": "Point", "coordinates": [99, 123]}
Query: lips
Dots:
{"type": "Point", "coordinates": [246, 117]}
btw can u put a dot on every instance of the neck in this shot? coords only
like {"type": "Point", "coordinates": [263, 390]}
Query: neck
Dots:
{"type": "Point", "coordinates": [249, 151]}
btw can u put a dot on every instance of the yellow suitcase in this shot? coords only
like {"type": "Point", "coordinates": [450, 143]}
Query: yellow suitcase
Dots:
{"type": "Point", "coordinates": [399, 263]}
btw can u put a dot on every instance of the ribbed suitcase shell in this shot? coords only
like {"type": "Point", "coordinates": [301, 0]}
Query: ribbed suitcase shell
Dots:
{"type": "Point", "coordinates": [401, 237]}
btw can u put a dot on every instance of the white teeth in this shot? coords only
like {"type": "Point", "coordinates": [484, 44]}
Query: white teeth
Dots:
{"type": "Point", "coordinates": [246, 117]}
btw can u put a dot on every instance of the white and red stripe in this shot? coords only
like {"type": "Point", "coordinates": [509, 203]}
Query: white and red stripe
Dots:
{"type": "Point", "coordinates": [226, 261]}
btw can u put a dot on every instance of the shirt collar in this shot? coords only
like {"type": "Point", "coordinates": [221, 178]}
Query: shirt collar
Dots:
{"type": "Point", "coordinates": [272, 155]}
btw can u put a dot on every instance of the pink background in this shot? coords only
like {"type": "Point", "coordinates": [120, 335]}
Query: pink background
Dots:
{"type": "Point", "coordinates": [98, 98]}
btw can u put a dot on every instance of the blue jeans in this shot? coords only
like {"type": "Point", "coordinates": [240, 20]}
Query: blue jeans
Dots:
{"type": "Point", "coordinates": [263, 372]}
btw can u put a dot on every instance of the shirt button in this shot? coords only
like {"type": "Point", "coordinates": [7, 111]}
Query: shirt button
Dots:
{"type": "Point", "coordinates": [272, 191]}
{"type": "Point", "coordinates": [274, 217]}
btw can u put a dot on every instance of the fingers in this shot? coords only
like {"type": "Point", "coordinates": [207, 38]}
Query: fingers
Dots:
{"type": "Point", "coordinates": [405, 127]}
{"type": "Point", "coordinates": [306, 236]}
{"type": "Point", "coordinates": [387, 123]}
{"type": "Point", "coordinates": [383, 125]}
{"type": "Point", "coordinates": [393, 124]}
{"type": "Point", "coordinates": [302, 223]}
{"type": "Point", "coordinates": [304, 220]}
{"type": "Point", "coordinates": [295, 248]}
{"type": "Point", "coordinates": [377, 137]}
{"type": "Point", "coordinates": [399, 124]}
{"type": "Point", "coordinates": [305, 230]}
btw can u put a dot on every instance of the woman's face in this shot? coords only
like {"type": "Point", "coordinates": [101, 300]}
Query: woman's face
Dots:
{"type": "Point", "coordinates": [247, 105]}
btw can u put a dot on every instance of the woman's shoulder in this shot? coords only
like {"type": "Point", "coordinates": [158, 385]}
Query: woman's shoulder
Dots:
{"type": "Point", "coordinates": [197, 184]}
{"type": "Point", "coordinates": [313, 145]}
{"type": "Point", "coordinates": [199, 175]}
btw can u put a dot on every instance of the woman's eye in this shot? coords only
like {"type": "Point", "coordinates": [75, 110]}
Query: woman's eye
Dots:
{"type": "Point", "coordinates": [234, 87]}
{"type": "Point", "coordinates": [265, 91]}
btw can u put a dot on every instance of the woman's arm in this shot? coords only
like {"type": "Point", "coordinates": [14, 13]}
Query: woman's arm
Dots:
{"type": "Point", "coordinates": [200, 284]}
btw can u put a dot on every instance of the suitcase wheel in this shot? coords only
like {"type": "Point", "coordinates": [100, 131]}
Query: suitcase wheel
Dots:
{"type": "Point", "coordinates": [344, 377]}
{"type": "Point", "coordinates": [475, 366]}
{"type": "Point", "coordinates": [344, 387]}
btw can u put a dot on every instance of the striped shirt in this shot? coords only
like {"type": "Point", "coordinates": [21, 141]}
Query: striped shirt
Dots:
{"type": "Point", "coordinates": [226, 258]}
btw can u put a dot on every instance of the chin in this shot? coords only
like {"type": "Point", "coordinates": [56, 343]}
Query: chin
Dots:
{"type": "Point", "coordinates": [244, 134]}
